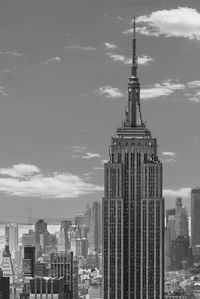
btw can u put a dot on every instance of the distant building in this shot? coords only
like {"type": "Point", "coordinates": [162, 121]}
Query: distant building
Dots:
{"type": "Point", "coordinates": [80, 219]}
{"type": "Point", "coordinates": [181, 219]}
{"type": "Point", "coordinates": [11, 233]}
{"type": "Point", "coordinates": [79, 247]}
{"type": "Point", "coordinates": [28, 239]}
{"type": "Point", "coordinates": [170, 235]}
{"type": "Point", "coordinates": [28, 262]}
{"type": "Point", "coordinates": [61, 240]}
{"type": "Point", "coordinates": [4, 286]}
{"type": "Point", "coordinates": [94, 237]}
{"type": "Point", "coordinates": [65, 225]}
{"type": "Point", "coordinates": [7, 265]}
{"type": "Point", "coordinates": [42, 236]}
{"type": "Point", "coordinates": [195, 218]}
{"type": "Point", "coordinates": [61, 264]}
{"type": "Point", "coordinates": [95, 291]}
{"type": "Point", "coordinates": [180, 253]}
{"type": "Point", "coordinates": [40, 269]}
{"type": "Point", "coordinates": [48, 288]}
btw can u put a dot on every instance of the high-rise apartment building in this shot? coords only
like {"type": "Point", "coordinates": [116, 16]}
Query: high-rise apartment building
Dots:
{"type": "Point", "coordinates": [94, 236]}
{"type": "Point", "coordinates": [195, 219]}
{"type": "Point", "coordinates": [133, 207]}
{"type": "Point", "coordinates": [181, 219]}
{"type": "Point", "coordinates": [11, 233]}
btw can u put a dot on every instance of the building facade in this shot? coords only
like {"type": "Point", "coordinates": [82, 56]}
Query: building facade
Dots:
{"type": "Point", "coordinates": [181, 219]}
{"type": "Point", "coordinates": [61, 264]}
{"type": "Point", "coordinates": [133, 208]}
{"type": "Point", "coordinates": [195, 219]}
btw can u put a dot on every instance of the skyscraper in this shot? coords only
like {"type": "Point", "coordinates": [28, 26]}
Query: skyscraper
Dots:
{"type": "Point", "coordinates": [11, 233]}
{"type": "Point", "coordinates": [181, 219]}
{"type": "Point", "coordinates": [195, 219]}
{"type": "Point", "coordinates": [133, 207]}
{"type": "Point", "coordinates": [94, 235]}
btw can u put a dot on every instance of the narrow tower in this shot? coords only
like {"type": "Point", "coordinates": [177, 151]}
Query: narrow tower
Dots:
{"type": "Point", "coordinates": [133, 207]}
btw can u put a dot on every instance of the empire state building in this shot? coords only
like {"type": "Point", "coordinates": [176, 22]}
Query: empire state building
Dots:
{"type": "Point", "coordinates": [133, 207]}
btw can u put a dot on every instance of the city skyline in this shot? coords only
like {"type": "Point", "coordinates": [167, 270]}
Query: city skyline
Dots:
{"type": "Point", "coordinates": [63, 77]}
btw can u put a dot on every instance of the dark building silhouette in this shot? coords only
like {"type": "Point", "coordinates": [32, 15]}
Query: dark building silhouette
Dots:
{"type": "Point", "coordinates": [195, 219]}
{"type": "Point", "coordinates": [181, 255]}
{"type": "Point", "coordinates": [4, 286]}
{"type": "Point", "coordinates": [49, 287]}
{"type": "Point", "coordinates": [61, 264]}
{"type": "Point", "coordinates": [28, 262]}
{"type": "Point", "coordinates": [133, 207]}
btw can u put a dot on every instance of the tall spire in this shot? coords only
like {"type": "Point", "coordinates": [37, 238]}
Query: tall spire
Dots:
{"type": "Point", "coordinates": [133, 114]}
{"type": "Point", "coordinates": [134, 58]}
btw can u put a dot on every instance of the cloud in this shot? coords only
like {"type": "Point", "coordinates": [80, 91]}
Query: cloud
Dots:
{"type": "Point", "coordinates": [3, 91]}
{"type": "Point", "coordinates": [118, 57]}
{"type": "Point", "coordinates": [20, 170]}
{"type": "Point", "coordinates": [110, 46]}
{"type": "Point", "coordinates": [83, 48]}
{"type": "Point", "coordinates": [77, 148]}
{"type": "Point", "coordinates": [89, 155]}
{"type": "Point", "coordinates": [103, 161]}
{"type": "Point", "coordinates": [194, 84]}
{"type": "Point", "coordinates": [55, 59]}
{"type": "Point", "coordinates": [194, 91]}
{"type": "Point", "coordinates": [26, 180]}
{"type": "Point", "coordinates": [163, 89]}
{"type": "Point", "coordinates": [178, 22]}
{"type": "Point", "coordinates": [170, 154]}
{"type": "Point", "coordinates": [169, 160]}
{"type": "Point", "coordinates": [12, 53]}
{"type": "Point", "coordinates": [142, 60]}
{"type": "Point", "coordinates": [110, 92]}
{"type": "Point", "coordinates": [182, 192]}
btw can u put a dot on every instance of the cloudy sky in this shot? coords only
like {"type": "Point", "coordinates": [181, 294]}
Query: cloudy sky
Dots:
{"type": "Point", "coordinates": [64, 68]}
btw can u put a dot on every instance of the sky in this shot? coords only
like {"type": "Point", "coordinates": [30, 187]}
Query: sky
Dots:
{"type": "Point", "coordinates": [64, 70]}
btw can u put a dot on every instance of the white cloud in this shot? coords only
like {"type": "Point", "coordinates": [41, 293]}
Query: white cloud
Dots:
{"type": "Point", "coordinates": [3, 91]}
{"type": "Point", "coordinates": [110, 92]}
{"type": "Point", "coordinates": [20, 170]}
{"type": "Point", "coordinates": [170, 154]}
{"type": "Point", "coordinates": [55, 59]}
{"type": "Point", "coordinates": [182, 192]}
{"type": "Point", "coordinates": [194, 99]}
{"type": "Point", "coordinates": [110, 46]}
{"type": "Point", "coordinates": [77, 47]}
{"type": "Point", "coordinates": [77, 148]}
{"type": "Point", "coordinates": [178, 22]}
{"type": "Point", "coordinates": [27, 181]}
{"type": "Point", "coordinates": [142, 60]}
{"type": "Point", "coordinates": [194, 84]}
{"type": "Point", "coordinates": [169, 160]}
{"type": "Point", "coordinates": [12, 53]}
{"type": "Point", "coordinates": [194, 91]}
{"type": "Point", "coordinates": [89, 155]}
{"type": "Point", "coordinates": [119, 18]}
{"type": "Point", "coordinates": [103, 161]}
{"type": "Point", "coordinates": [163, 89]}
{"type": "Point", "coordinates": [119, 57]}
